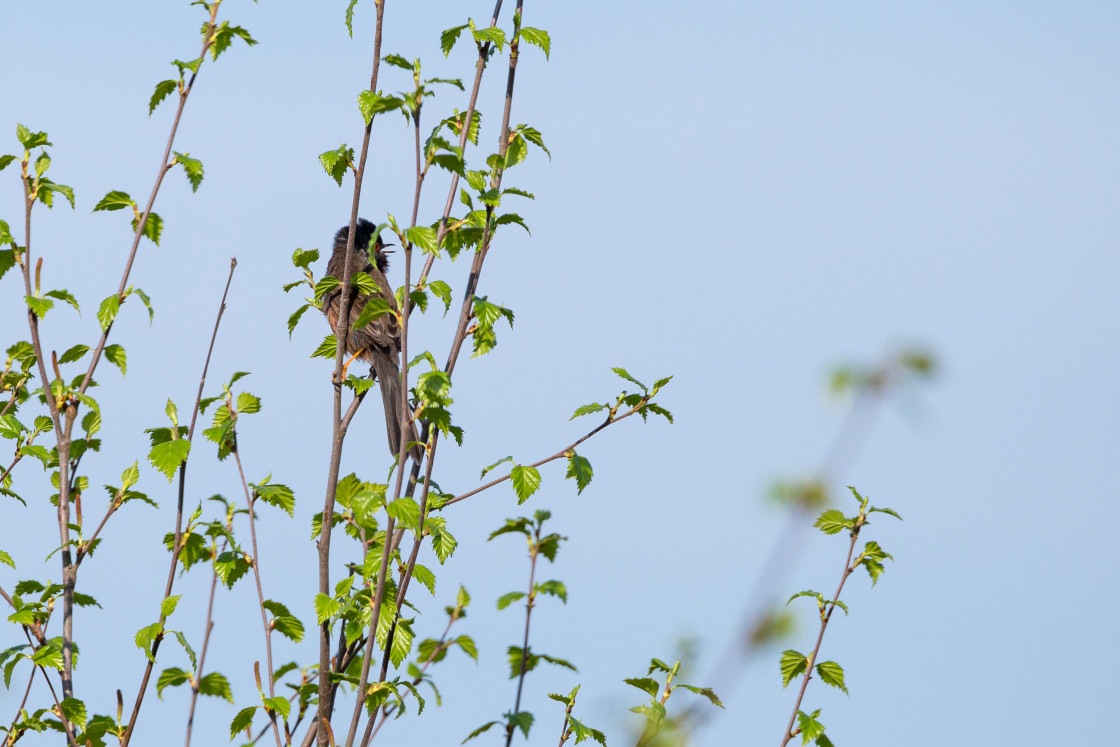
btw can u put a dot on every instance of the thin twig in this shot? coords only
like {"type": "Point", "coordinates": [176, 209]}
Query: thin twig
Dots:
{"type": "Point", "coordinates": [323, 715]}
{"type": "Point", "coordinates": [533, 552]}
{"type": "Point", "coordinates": [825, 617]}
{"type": "Point", "coordinates": [562, 453]}
{"type": "Point", "coordinates": [250, 500]}
{"type": "Point", "coordinates": [178, 535]}
{"type": "Point", "coordinates": [196, 682]}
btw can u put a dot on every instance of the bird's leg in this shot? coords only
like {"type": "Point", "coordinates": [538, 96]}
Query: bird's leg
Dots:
{"type": "Point", "coordinates": [345, 366]}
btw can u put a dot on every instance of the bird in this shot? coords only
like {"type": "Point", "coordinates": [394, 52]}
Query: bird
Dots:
{"type": "Point", "coordinates": [379, 342]}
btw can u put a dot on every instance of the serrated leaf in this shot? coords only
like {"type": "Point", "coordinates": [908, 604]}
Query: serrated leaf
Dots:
{"type": "Point", "coordinates": [171, 677]}
{"type": "Point", "coordinates": [480, 730]}
{"type": "Point", "coordinates": [526, 481]}
{"type": "Point", "coordinates": [153, 227]}
{"type": "Point", "coordinates": [116, 355]}
{"type": "Point", "coordinates": [216, 686]}
{"type": "Point", "coordinates": [509, 598]}
{"type": "Point", "coordinates": [792, 664]}
{"type": "Point", "coordinates": [588, 409]}
{"type": "Point", "coordinates": [163, 89]}
{"type": "Point", "coordinates": [168, 605]}
{"type": "Point", "coordinates": [325, 608]}
{"type": "Point", "coordinates": [538, 38]}
{"type": "Point", "coordinates": [115, 200]}
{"type": "Point", "coordinates": [242, 721]}
{"type": "Point", "coordinates": [832, 521]}
{"type": "Point", "coordinates": [645, 684]}
{"type": "Point", "coordinates": [832, 674]}
{"type": "Point", "coordinates": [580, 469]}
{"type": "Point", "coordinates": [166, 457]}
{"type": "Point", "coordinates": [108, 311]}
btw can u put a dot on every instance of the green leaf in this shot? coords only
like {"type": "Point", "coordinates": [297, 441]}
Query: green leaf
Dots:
{"type": "Point", "coordinates": [645, 684]}
{"type": "Point", "coordinates": [40, 306]}
{"type": "Point", "coordinates": [242, 721]}
{"type": "Point", "coordinates": [186, 646]}
{"type": "Point", "coordinates": [115, 200]}
{"type": "Point", "coordinates": [809, 726]}
{"type": "Point", "coordinates": [554, 588]}
{"type": "Point", "coordinates": [153, 227]}
{"type": "Point", "coordinates": [163, 90]}
{"type": "Point", "coordinates": [230, 566]}
{"type": "Point", "coordinates": [588, 409]}
{"type": "Point", "coordinates": [108, 311]}
{"type": "Point", "coordinates": [248, 403]}
{"type": "Point", "coordinates": [423, 237]}
{"type": "Point", "coordinates": [167, 456]}
{"type": "Point", "coordinates": [216, 686]}
{"type": "Point", "coordinates": [583, 732]}
{"type": "Point", "coordinates": [622, 372]}
{"type": "Point", "coordinates": [73, 354]}
{"type": "Point", "coordinates": [7, 256]}
{"type": "Point", "coordinates": [350, 18]}
{"type": "Point", "coordinates": [832, 674]}
{"type": "Point", "coordinates": [327, 348]}
{"type": "Point", "coordinates": [526, 481]}
{"type": "Point", "coordinates": [6, 559]}
{"type": "Point", "coordinates": [424, 575]}
{"type": "Point", "coordinates": [335, 162]}
{"type": "Point", "coordinates": [47, 189]}
{"type": "Point", "coordinates": [375, 308]}
{"type": "Point", "coordinates": [146, 636]}
{"type": "Point", "coordinates": [580, 469]}
{"type": "Point", "coordinates": [406, 511]}
{"type": "Point", "coordinates": [523, 720]}
{"type": "Point", "coordinates": [538, 38]}
{"type": "Point", "coordinates": [171, 677]}
{"type": "Point", "coordinates": [168, 605]}
{"type": "Point", "coordinates": [277, 495]}
{"type": "Point", "coordinates": [325, 608]}
{"type": "Point", "coordinates": [115, 354]}
{"type": "Point", "coordinates": [707, 692]}
{"type": "Point", "coordinates": [371, 104]}
{"type": "Point", "coordinates": [443, 291]}
{"type": "Point", "coordinates": [29, 139]}
{"type": "Point", "coordinates": [447, 41]}
{"type": "Point", "coordinates": [279, 705]}
{"type": "Point", "coordinates": [490, 35]}
{"type": "Point", "coordinates": [480, 730]}
{"type": "Point", "coordinates": [74, 710]}
{"type": "Point", "coordinates": [792, 664]}
{"type": "Point", "coordinates": [509, 598]}
{"type": "Point", "coordinates": [832, 521]}
{"type": "Point", "coordinates": [192, 167]}
{"type": "Point", "coordinates": [303, 258]}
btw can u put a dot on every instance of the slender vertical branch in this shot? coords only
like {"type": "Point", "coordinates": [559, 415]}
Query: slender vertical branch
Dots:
{"type": "Point", "coordinates": [177, 546]}
{"type": "Point", "coordinates": [197, 680]}
{"type": "Point", "coordinates": [338, 431]}
{"type": "Point", "coordinates": [825, 617]}
{"type": "Point", "coordinates": [251, 501]}
{"type": "Point", "coordinates": [533, 552]}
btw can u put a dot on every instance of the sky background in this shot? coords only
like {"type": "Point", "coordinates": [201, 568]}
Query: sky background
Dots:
{"type": "Point", "coordinates": [743, 197]}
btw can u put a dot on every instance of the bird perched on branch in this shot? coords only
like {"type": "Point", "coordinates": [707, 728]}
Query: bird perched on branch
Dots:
{"type": "Point", "coordinates": [378, 342]}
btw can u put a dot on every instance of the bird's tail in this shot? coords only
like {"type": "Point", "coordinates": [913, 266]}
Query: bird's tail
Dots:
{"type": "Point", "coordinates": [388, 378]}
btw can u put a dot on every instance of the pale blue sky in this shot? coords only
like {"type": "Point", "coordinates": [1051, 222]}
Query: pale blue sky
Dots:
{"type": "Point", "coordinates": [740, 195]}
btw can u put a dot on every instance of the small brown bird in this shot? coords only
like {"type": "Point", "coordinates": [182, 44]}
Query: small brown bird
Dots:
{"type": "Point", "coordinates": [379, 342]}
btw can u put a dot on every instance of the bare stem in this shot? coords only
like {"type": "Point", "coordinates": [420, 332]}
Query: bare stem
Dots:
{"type": "Point", "coordinates": [250, 500]}
{"type": "Point", "coordinates": [178, 535]}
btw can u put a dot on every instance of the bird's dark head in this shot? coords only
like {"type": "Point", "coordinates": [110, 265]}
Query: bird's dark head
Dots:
{"type": "Point", "coordinates": [363, 232]}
